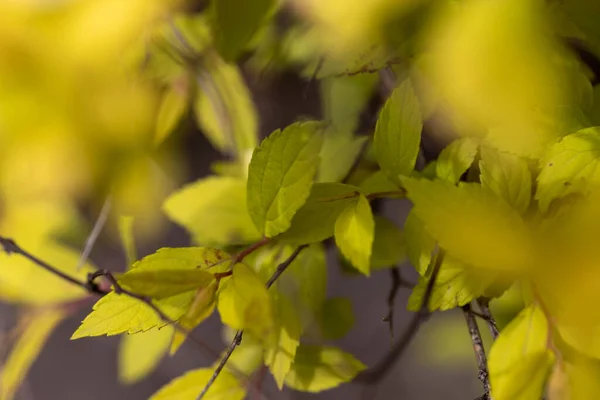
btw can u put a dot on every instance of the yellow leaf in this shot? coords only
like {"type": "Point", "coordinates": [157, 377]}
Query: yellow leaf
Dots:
{"type": "Point", "coordinates": [354, 232]}
{"type": "Point", "coordinates": [139, 354]}
{"type": "Point", "coordinates": [456, 159]}
{"type": "Point", "coordinates": [472, 224]}
{"type": "Point", "coordinates": [519, 361]}
{"type": "Point", "coordinates": [318, 368]}
{"type": "Point", "coordinates": [39, 326]}
{"type": "Point", "coordinates": [214, 211]}
{"type": "Point", "coordinates": [243, 303]}
{"type": "Point", "coordinates": [127, 240]}
{"type": "Point", "coordinates": [164, 283]}
{"type": "Point", "coordinates": [189, 386]}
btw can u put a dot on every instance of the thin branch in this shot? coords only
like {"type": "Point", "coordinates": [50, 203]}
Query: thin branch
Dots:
{"type": "Point", "coordinates": [484, 307]}
{"type": "Point", "coordinates": [237, 340]}
{"type": "Point", "coordinates": [376, 373]}
{"type": "Point", "coordinates": [93, 237]}
{"type": "Point", "coordinates": [396, 284]}
{"type": "Point", "coordinates": [11, 247]}
{"type": "Point", "coordinates": [477, 348]}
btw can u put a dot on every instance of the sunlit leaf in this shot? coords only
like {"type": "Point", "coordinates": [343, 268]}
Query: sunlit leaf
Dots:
{"type": "Point", "coordinates": [569, 167]}
{"type": "Point", "coordinates": [189, 386]}
{"type": "Point", "coordinates": [506, 175]}
{"type": "Point", "coordinates": [37, 327]}
{"type": "Point", "coordinates": [318, 368]}
{"type": "Point", "coordinates": [456, 159]}
{"type": "Point", "coordinates": [398, 132]}
{"type": "Point", "coordinates": [243, 303]}
{"type": "Point", "coordinates": [281, 174]}
{"type": "Point", "coordinates": [354, 232]}
{"type": "Point", "coordinates": [158, 283]}
{"type": "Point", "coordinates": [236, 22]}
{"type": "Point", "coordinates": [214, 211]}
{"type": "Point", "coordinates": [389, 245]}
{"type": "Point", "coordinates": [139, 354]}
{"type": "Point", "coordinates": [280, 356]}
{"type": "Point", "coordinates": [337, 318]}
{"type": "Point", "coordinates": [472, 224]}
{"type": "Point", "coordinates": [519, 361]}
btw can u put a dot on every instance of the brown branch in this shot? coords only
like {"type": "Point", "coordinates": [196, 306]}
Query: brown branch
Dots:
{"type": "Point", "coordinates": [237, 340]}
{"type": "Point", "coordinates": [376, 373]}
{"type": "Point", "coordinates": [477, 348]}
{"type": "Point", "coordinates": [484, 307]}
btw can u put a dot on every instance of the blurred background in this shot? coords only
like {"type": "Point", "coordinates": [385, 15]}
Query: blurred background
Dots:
{"type": "Point", "coordinates": [107, 107]}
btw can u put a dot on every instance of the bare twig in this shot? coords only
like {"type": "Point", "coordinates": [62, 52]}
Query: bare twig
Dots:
{"type": "Point", "coordinates": [477, 348]}
{"type": "Point", "coordinates": [93, 237]}
{"type": "Point", "coordinates": [396, 283]}
{"type": "Point", "coordinates": [11, 247]}
{"type": "Point", "coordinates": [237, 340]}
{"type": "Point", "coordinates": [376, 373]}
{"type": "Point", "coordinates": [484, 307]}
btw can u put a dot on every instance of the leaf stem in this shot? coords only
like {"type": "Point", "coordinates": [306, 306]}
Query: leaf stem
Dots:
{"type": "Point", "coordinates": [484, 307]}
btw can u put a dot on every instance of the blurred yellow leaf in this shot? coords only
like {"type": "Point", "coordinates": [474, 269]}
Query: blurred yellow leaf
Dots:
{"type": "Point", "coordinates": [38, 326]}
{"type": "Point", "coordinates": [139, 354]}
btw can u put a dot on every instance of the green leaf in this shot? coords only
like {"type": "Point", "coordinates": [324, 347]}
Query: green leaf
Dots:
{"type": "Point", "coordinates": [127, 239]}
{"type": "Point", "coordinates": [456, 159]}
{"type": "Point", "coordinates": [519, 361]}
{"type": "Point", "coordinates": [243, 303]}
{"type": "Point", "coordinates": [139, 354]}
{"type": "Point", "coordinates": [338, 153]}
{"type": "Point", "coordinates": [236, 22]}
{"type": "Point", "coordinates": [336, 318]}
{"type": "Point", "coordinates": [472, 224]}
{"type": "Point", "coordinates": [201, 308]}
{"type": "Point", "coordinates": [455, 286]}
{"type": "Point", "coordinates": [281, 174]}
{"type": "Point", "coordinates": [172, 108]}
{"type": "Point", "coordinates": [508, 176]}
{"type": "Point", "coordinates": [315, 221]}
{"type": "Point", "coordinates": [570, 166]}
{"type": "Point", "coordinates": [183, 258]}
{"type": "Point", "coordinates": [419, 243]}
{"type": "Point", "coordinates": [159, 284]}
{"type": "Point", "coordinates": [319, 368]}
{"type": "Point", "coordinates": [224, 108]}
{"type": "Point", "coordinates": [31, 339]}
{"type": "Point", "coordinates": [354, 232]}
{"type": "Point", "coordinates": [214, 211]}
{"type": "Point", "coordinates": [280, 356]}
{"type": "Point", "coordinates": [345, 97]}
{"type": "Point", "coordinates": [378, 182]}
{"type": "Point", "coordinates": [389, 246]}
{"type": "Point", "coordinates": [398, 132]}
{"type": "Point", "coordinates": [189, 386]}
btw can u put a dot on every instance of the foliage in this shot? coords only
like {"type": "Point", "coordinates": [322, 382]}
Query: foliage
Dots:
{"type": "Point", "coordinates": [94, 110]}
